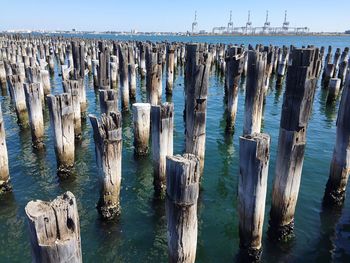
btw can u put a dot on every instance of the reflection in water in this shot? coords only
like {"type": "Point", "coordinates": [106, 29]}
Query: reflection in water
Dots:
{"type": "Point", "coordinates": [325, 247]}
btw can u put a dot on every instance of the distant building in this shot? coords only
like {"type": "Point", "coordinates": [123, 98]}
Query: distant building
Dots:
{"type": "Point", "coordinates": [347, 32]}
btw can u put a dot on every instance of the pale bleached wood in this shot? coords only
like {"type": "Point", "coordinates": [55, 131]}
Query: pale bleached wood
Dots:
{"type": "Point", "coordinates": [340, 165]}
{"type": "Point", "coordinates": [141, 113]}
{"type": "Point", "coordinates": [154, 75]}
{"type": "Point", "coordinates": [162, 121]}
{"type": "Point", "coordinates": [62, 123]}
{"type": "Point", "coordinates": [170, 69]}
{"type": "Point", "coordinates": [35, 112]}
{"type": "Point", "coordinates": [4, 163]}
{"type": "Point", "coordinates": [72, 87]}
{"type": "Point", "coordinates": [108, 145]}
{"type": "Point", "coordinates": [254, 98]}
{"type": "Point", "coordinates": [252, 187]}
{"type": "Point", "coordinates": [108, 101]}
{"type": "Point", "coordinates": [45, 78]}
{"type": "Point", "coordinates": [16, 88]}
{"type": "Point", "coordinates": [198, 62]}
{"type": "Point", "coordinates": [54, 230]}
{"type": "Point", "coordinates": [234, 68]}
{"type": "Point", "coordinates": [296, 110]}
{"type": "Point", "coordinates": [182, 181]}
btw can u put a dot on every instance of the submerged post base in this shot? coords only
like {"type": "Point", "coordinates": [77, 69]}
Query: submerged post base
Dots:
{"type": "Point", "coordinates": [249, 255]}
{"type": "Point", "coordinates": [64, 171]}
{"type": "Point", "coordinates": [333, 197]}
{"type": "Point", "coordinates": [5, 187]}
{"type": "Point", "coordinates": [280, 233]}
{"type": "Point", "coordinates": [108, 211]}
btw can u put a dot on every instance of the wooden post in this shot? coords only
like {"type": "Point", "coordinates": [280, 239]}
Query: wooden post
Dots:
{"type": "Point", "coordinates": [252, 187]}
{"type": "Point", "coordinates": [2, 75]}
{"type": "Point", "coordinates": [198, 62]}
{"type": "Point", "coordinates": [340, 168]}
{"type": "Point", "coordinates": [154, 76]}
{"type": "Point", "coordinates": [142, 60]}
{"type": "Point", "coordinates": [103, 66]}
{"type": "Point", "coordinates": [182, 181]}
{"type": "Point", "coordinates": [54, 230]}
{"type": "Point", "coordinates": [108, 145]}
{"type": "Point", "coordinates": [72, 87]}
{"type": "Point", "coordinates": [114, 71]}
{"type": "Point", "coordinates": [15, 83]}
{"type": "Point", "coordinates": [108, 101]}
{"type": "Point", "coordinates": [62, 122]}
{"type": "Point", "coordinates": [45, 78]}
{"type": "Point", "coordinates": [33, 76]}
{"type": "Point", "coordinates": [296, 110]}
{"type": "Point", "coordinates": [95, 65]}
{"type": "Point", "coordinates": [132, 72]}
{"type": "Point", "coordinates": [124, 76]}
{"type": "Point", "coordinates": [35, 112]}
{"type": "Point", "coordinates": [254, 98]}
{"type": "Point", "coordinates": [333, 89]}
{"type": "Point", "coordinates": [162, 121]}
{"type": "Point", "coordinates": [170, 69]}
{"type": "Point", "coordinates": [4, 163]}
{"type": "Point", "coordinates": [141, 119]}
{"type": "Point", "coordinates": [234, 69]}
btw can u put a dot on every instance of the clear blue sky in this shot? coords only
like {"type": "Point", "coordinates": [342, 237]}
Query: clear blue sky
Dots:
{"type": "Point", "coordinates": [166, 15]}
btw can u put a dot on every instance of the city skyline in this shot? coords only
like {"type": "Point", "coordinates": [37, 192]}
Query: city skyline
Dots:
{"type": "Point", "coordinates": [167, 16]}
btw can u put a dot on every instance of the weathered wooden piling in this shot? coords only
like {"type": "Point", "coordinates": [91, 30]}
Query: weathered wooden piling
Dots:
{"type": "Point", "coordinates": [198, 62]}
{"type": "Point", "coordinates": [333, 89]}
{"type": "Point", "coordinates": [45, 79]}
{"type": "Point", "coordinates": [132, 73]}
{"type": "Point", "coordinates": [2, 75]}
{"type": "Point", "coordinates": [35, 112]}
{"type": "Point", "coordinates": [182, 181]}
{"type": "Point", "coordinates": [162, 121]}
{"type": "Point", "coordinates": [142, 121]}
{"type": "Point", "coordinates": [170, 69]}
{"type": "Point", "coordinates": [4, 164]}
{"type": "Point", "coordinates": [154, 75]}
{"type": "Point", "coordinates": [108, 101]}
{"type": "Point", "coordinates": [62, 122]}
{"type": "Point", "coordinates": [72, 87]}
{"type": "Point", "coordinates": [340, 167]}
{"type": "Point", "coordinates": [103, 66]}
{"type": "Point", "coordinates": [108, 145]}
{"type": "Point", "coordinates": [124, 76]}
{"type": "Point", "coordinates": [142, 49]}
{"type": "Point", "coordinates": [296, 110]}
{"type": "Point", "coordinates": [252, 187]}
{"type": "Point", "coordinates": [254, 98]}
{"type": "Point", "coordinates": [15, 84]}
{"type": "Point", "coordinates": [54, 230]}
{"type": "Point", "coordinates": [234, 68]}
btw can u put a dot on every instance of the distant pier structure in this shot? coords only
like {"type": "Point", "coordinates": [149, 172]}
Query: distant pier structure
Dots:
{"type": "Point", "coordinates": [248, 28]}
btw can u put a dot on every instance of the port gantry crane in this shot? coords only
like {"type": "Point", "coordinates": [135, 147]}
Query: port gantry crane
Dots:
{"type": "Point", "coordinates": [194, 24]}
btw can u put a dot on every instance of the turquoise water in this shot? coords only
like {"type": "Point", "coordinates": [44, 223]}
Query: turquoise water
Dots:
{"type": "Point", "coordinates": [139, 235]}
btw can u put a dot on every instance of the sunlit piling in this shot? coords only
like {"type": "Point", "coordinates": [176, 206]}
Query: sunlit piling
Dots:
{"type": "Point", "coordinates": [182, 188]}
{"type": "Point", "coordinates": [141, 113]}
{"type": "Point", "coordinates": [108, 145]}
{"type": "Point", "coordinates": [162, 121]}
{"type": "Point", "coordinates": [54, 230]}
{"type": "Point", "coordinates": [296, 110]}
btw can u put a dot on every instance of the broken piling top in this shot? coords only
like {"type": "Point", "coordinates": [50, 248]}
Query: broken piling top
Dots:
{"type": "Point", "coordinates": [54, 229]}
{"type": "Point", "coordinates": [182, 180]}
{"type": "Point", "coordinates": [300, 88]}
